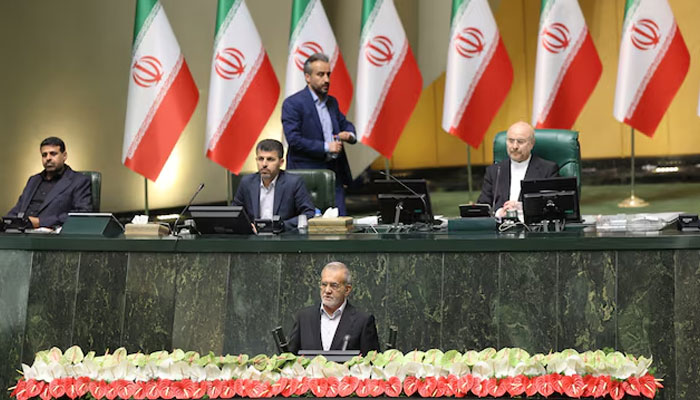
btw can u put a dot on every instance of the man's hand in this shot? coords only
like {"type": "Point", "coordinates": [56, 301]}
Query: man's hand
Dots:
{"type": "Point", "coordinates": [512, 205]}
{"type": "Point", "coordinates": [34, 221]}
{"type": "Point", "coordinates": [345, 136]}
{"type": "Point", "coordinates": [335, 147]}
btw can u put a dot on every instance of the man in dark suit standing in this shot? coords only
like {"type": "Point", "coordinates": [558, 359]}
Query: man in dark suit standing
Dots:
{"type": "Point", "coordinates": [329, 325]}
{"type": "Point", "coordinates": [315, 128]}
{"type": "Point", "coordinates": [49, 196]}
{"type": "Point", "coordinates": [501, 188]}
{"type": "Point", "coordinates": [271, 191]}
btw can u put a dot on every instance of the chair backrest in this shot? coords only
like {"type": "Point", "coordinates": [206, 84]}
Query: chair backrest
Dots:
{"type": "Point", "coordinates": [321, 185]}
{"type": "Point", "coordinates": [558, 145]}
{"type": "Point", "coordinates": [95, 187]}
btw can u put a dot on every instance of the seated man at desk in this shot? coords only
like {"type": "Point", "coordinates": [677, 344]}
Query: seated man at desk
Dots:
{"type": "Point", "coordinates": [334, 322]}
{"type": "Point", "coordinates": [50, 195]}
{"type": "Point", "coordinates": [501, 188]}
{"type": "Point", "coordinates": [272, 191]}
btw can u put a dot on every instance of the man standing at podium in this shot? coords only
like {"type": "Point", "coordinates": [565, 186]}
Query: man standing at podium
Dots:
{"type": "Point", "coordinates": [50, 195]}
{"type": "Point", "coordinates": [334, 324]}
{"type": "Point", "coordinates": [501, 188]}
{"type": "Point", "coordinates": [316, 129]}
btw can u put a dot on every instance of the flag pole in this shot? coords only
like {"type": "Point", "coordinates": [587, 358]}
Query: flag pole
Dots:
{"type": "Point", "coordinates": [386, 167]}
{"type": "Point", "coordinates": [469, 171]}
{"type": "Point", "coordinates": [145, 195]}
{"type": "Point", "coordinates": [229, 188]}
{"type": "Point", "coordinates": [632, 201]}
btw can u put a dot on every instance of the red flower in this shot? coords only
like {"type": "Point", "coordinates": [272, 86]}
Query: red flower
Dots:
{"type": "Point", "coordinates": [291, 387]}
{"type": "Point", "coordinates": [497, 389]}
{"type": "Point", "coordinates": [279, 386]}
{"type": "Point", "coordinates": [31, 388]}
{"type": "Point", "coordinates": [530, 389]}
{"type": "Point", "coordinates": [200, 389]}
{"type": "Point", "coordinates": [319, 387]}
{"type": "Point", "coordinates": [183, 388]}
{"type": "Point", "coordinates": [228, 389]}
{"type": "Point", "coordinates": [544, 385]}
{"type": "Point", "coordinates": [124, 389]}
{"type": "Point", "coordinates": [82, 385]}
{"type": "Point", "coordinates": [140, 393]}
{"type": "Point", "coordinates": [603, 386]}
{"type": "Point", "coordinates": [303, 386]}
{"type": "Point", "coordinates": [573, 386]}
{"type": "Point", "coordinates": [429, 387]}
{"type": "Point", "coordinates": [362, 388]}
{"type": "Point", "coordinates": [240, 387]}
{"type": "Point", "coordinates": [45, 394]}
{"type": "Point", "coordinates": [647, 386]}
{"type": "Point", "coordinates": [392, 387]}
{"type": "Point", "coordinates": [375, 387]}
{"type": "Point", "coordinates": [410, 385]}
{"type": "Point", "coordinates": [257, 389]}
{"type": "Point", "coordinates": [56, 388]}
{"type": "Point", "coordinates": [97, 389]}
{"type": "Point", "coordinates": [464, 384]}
{"type": "Point", "coordinates": [150, 390]}
{"type": "Point", "coordinates": [19, 388]}
{"type": "Point", "coordinates": [516, 385]}
{"type": "Point", "coordinates": [556, 383]}
{"type": "Point", "coordinates": [616, 390]}
{"type": "Point", "coordinates": [333, 384]}
{"type": "Point", "coordinates": [590, 384]}
{"type": "Point", "coordinates": [451, 385]}
{"type": "Point", "coordinates": [631, 386]}
{"type": "Point", "coordinates": [347, 386]}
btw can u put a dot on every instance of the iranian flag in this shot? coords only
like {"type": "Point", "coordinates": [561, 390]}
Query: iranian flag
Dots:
{"type": "Point", "coordinates": [388, 80]}
{"type": "Point", "coordinates": [243, 88]}
{"type": "Point", "coordinates": [162, 94]}
{"type": "Point", "coordinates": [311, 33]}
{"type": "Point", "coordinates": [479, 72]}
{"type": "Point", "coordinates": [567, 67]}
{"type": "Point", "coordinates": [653, 63]}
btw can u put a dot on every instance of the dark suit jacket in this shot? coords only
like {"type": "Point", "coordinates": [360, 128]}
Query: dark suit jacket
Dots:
{"type": "Point", "coordinates": [496, 188]}
{"type": "Point", "coordinates": [291, 198]}
{"type": "Point", "coordinates": [302, 129]}
{"type": "Point", "coordinates": [72, 193]}
{"type": "Point", "coordinates": [306, 333]}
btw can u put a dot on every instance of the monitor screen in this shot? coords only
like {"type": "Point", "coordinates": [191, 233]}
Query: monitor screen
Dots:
{"type": "Point", "coordinates": [390, 193]}
{"type": "Point", "coordinates": [550, 199]}
{"type": "Point", "coordinates": [221, 220]}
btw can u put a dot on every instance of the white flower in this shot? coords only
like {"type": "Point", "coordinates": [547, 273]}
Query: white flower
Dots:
{"type": "Point", "coordinates": [213, 372]}
{"type": "Point", "coordinates": [361, 371]}
{"type": "Point", "coordinates": [28, 372]}
{"type": "Point", "coordinates": [459, 369]}
{"type": "Point", "coordinates": [482, 369]}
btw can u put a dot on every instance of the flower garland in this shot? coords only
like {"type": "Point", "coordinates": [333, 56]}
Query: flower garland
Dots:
{"type": "Point", "coordinates": [180, 375]}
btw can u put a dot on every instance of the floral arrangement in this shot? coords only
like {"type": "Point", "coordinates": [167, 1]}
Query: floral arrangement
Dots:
{"type": "Point", "coordinates": [189, 375]}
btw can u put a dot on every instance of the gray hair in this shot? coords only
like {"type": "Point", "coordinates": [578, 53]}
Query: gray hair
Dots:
{"type": "Point", "coordinates": [338, 266]}
{"type": "Point", "coordinates": [313, 58]}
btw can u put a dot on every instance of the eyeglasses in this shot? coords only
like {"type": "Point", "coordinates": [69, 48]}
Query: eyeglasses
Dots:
{"type": "Point", "coordinates": [333, 285]}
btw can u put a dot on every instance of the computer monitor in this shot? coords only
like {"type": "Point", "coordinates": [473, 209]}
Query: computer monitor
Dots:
{"type": "Point", "coordinates": [221, 220]}
{"type": "Point", "coordinates": [550, 199]}
{"type": "Point", "coordinates": [415, 207]}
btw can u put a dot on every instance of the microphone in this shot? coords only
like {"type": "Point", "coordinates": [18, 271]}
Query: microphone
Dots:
{"type": "Point", "coordinates": [413, 192]}
{"type": "Point", "coordinates": [196, 192]}
{"type": "Point", "coordinates": [346, 339]}
{"type": "Point", "coordinates": [280, 340]}
{"type": "Point", "coordinates": [393, 331]}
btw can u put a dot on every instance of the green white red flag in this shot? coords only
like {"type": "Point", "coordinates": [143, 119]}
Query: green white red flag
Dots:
{"type": "Point", "coordinates": [389, 82]}
{"type": "Point", "coordinates": [654, 61]}
{"type": "Point", "coordinates": [567, 67]}
{"type": "Point", "coordinates": [162, 94]}
{"type": "Point", "coordinates": [479, 72]}
{"type": "Point", "coordinates": [243, 88]}
{"type": "Point", "coordinates": [310, 33]}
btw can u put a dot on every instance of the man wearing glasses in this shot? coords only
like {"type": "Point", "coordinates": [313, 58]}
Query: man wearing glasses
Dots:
{"type": "Point", "coordinates": [328, 325]}
{"type": "Point", "coordinates": [501, 188]}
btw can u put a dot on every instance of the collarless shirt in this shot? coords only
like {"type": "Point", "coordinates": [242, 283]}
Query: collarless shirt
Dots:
{"type": "Point", "coordinates": [267, 198]}
{"type": "Point", "coordinates": [517, 174]}
{"type": "Point", "coordinates": [325, 116]}
{"type": "Point", "coordinates": [329, 324]}
{"type": "Point", "coordinates": [42, 192]}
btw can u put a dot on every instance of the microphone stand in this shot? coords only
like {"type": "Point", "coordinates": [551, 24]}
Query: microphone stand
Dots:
{"type": "Point", "coordinates": [399, 206]}
{"type": "Point", "coordinates": [199, 189]}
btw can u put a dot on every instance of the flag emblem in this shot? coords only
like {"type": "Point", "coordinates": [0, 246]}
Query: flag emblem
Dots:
{"type": "Point", "coordinates": [470, 42]}
{"type": "Point", "coordinates": [555, 38]}
{"type": "Point", "coordinates": [379, 51]}
{"type": "Point", "coordinates": [304, 51]}
{"type": "Point", "coordinates": [230, 63]}
{"type": "Point", "coordinates": [147, 71]}
{"type": "Point", "coordinates": [645, 34]}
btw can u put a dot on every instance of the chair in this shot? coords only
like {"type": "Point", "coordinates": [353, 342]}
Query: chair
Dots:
{"type": "Point", "coordinates": [558, 145]}
{"type": "Point", "coordinates": [319, 182]}
{"type": "Point", "coordinates": [321, 185]}
{"type": "Point", "coordinates": [95, 187]}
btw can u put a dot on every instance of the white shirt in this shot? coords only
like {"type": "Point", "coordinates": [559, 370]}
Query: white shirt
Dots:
{"type": "Point", "coordinates": [517, 174]}
{"type": "Point", "coordinates": [329, 324]}
{"type": "Point", "coordinates": [325, 117]}
{"type": "Point", "coordinates": [267, 199]}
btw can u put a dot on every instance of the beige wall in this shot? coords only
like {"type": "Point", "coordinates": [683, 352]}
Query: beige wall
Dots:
{"type": "Point", "coordinates": [65, 65]}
